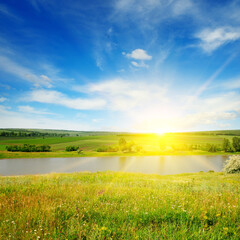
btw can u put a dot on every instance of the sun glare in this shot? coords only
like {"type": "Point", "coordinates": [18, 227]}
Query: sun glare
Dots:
{"type": "Point", "coordinates": [160, 132]}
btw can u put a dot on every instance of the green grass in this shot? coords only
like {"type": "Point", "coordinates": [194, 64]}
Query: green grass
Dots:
{"type": "Point", "coordinates": [108, 205]}
{"type": "Point", "coordinates": [64, 154]}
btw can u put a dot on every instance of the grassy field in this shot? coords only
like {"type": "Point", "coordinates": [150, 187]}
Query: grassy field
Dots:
{"type": "Point", "coordinates": [108, 205]}
{"type": "Point", "coordinates": [90, 143]}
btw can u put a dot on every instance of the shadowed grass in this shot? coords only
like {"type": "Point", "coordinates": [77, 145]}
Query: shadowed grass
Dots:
{"type": "Point", "coordinates": [108, 205]}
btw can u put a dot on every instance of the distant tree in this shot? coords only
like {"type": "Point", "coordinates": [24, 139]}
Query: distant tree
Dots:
{"type": "Point", "coordinates": [122, 142]}
{"type": "Point", "coordinates": [226, 145]}
{"type": "Point", "coordinates": [212, 148]}
{"type": "Point", "coordinates": [236, 143]}
{"type": "Point", "coordinates": [71, 148]}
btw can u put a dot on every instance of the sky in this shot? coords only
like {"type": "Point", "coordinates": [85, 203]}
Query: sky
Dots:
{"type": "Point", "coordinates": [120, 65]}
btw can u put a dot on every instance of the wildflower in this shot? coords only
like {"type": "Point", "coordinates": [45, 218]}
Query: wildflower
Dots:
{"type": "Point", "coordinates": [217, 215]}
{"type": "Point", "coordinates": [205, 217]}
{"type": "Point", "coordinates": [225, 228]}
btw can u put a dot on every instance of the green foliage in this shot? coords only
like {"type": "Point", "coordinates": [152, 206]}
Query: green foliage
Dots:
{"type": "Point", "coordinates": [28, 148]}
{"type": "Point", "coordinates": [108, 149]}
{"type": "Point", "coordinates": [122, 142]}
{"type": "Point", "coordinates": [232, 165]}
{"type": "Point", "coordinates": [108, 205]}
{"type": "Point", "coordinates": [227, 147]}
{"type": "Point", "coordinates": [71, 148]}
{"type": "Point", "coordinates": [211, 148]}
{"type": "Point", "coordinates": [236, 143]}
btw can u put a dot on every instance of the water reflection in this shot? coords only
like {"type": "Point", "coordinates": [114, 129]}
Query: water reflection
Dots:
{"type": "Point", "coordinates": [147, 164]}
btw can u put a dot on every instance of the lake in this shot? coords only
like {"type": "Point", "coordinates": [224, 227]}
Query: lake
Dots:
{"type": "Point", "coordinates": [147, 164]}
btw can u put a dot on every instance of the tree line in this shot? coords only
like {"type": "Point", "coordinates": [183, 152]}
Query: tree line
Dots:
{"type": "Point", "coordinates": [31, 134]}
{"type": "Point", "coordinates": [28, 148]}
{"type": "Point", "coordinates": [226, 146]}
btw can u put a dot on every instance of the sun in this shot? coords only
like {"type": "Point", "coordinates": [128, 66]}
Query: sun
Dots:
{"type": "Point", "coordinates": [159, 132]}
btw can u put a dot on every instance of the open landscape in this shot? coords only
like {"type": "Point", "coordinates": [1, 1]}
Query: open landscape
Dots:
{"type": "Point", "coordinates": [119, 119]}
{"type": "Point", "coordinates": [118, 205]}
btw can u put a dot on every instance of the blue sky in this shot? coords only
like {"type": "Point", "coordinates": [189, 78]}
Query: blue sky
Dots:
{"type": "Point", "coordinates": [125, 65]}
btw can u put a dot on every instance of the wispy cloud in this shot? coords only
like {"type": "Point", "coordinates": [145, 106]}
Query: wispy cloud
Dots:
{"type": "Point", "coordinates": [230, 84]}
{"type": "Point", "coordinates": [125, 95]}
{"type": "Point", "coordinates": [211, 39]}
{"type": "Point", "coordinates": [140, 64]}
{"type": "Point", "coordinates": [11, 119]}
{"type": "Point", "coordinates": [2, 99]}
{"type": "Point", "coordinates": [6, 11]}
{"type": "Point", "coordinates": [10, 66]}
{"type": "Point", "coordinates": [31, 110]}
{"type": "Point", "coordinates": [55, 97]}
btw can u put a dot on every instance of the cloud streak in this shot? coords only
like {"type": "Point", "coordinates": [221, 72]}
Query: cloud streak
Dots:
{"type": "Point", "coordinates": [9, 66]}
{"type": "Point", "coordinates": [55, 97]}
{"type": "Point", "coordinates": [31, 110]}
{"type": "Point", "coordinates": [211, 39]}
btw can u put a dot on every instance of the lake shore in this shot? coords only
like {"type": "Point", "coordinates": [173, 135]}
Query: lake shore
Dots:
{"type": "Point", "coordinates": [61, 154]}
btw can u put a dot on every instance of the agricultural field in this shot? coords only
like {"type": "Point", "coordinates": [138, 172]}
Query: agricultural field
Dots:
{"type": "Point", "coordinates": [114, 205]}
{"type": "Point", "coordinates": [90, 142]}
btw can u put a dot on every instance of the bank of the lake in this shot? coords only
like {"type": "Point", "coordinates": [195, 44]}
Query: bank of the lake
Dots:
{"type": "Point", "coordinates": [112, 205]}
{"type": "Point", "coordinates": [6, 154]}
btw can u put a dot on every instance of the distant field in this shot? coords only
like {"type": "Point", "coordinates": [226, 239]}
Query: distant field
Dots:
{"type": "Point", "coordinates": [149, 142]}
{"type": "Point", "coordinates": [108, 205]}
{"type": "Point", "coordinates": [91, 142]}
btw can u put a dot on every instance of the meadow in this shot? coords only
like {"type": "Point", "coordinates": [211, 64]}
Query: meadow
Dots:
{"type": "Point", "coordinates": [89, 142]}
{"type": "Point", "coordinates": [114, 205]}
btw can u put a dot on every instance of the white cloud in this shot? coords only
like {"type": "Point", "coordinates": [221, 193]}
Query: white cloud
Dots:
{"type": "Point", "coordinates": [9, 66]}
{"type": "Point", "coordinates": [143, 8]}
{"type": "Point", "coordinates": [139, 54]}
{"type": "Point", "coordinates": [188, 122]}
{"type": "Point", "coordinates": [125, 95]}
{"type": "Point", "coordinates": [11, 119]}
{"type": "Point", "coordinates": [141, 64]}
{"type": "Point", "coordinates": [2, 99]}
{"type": "Point", "coordinates": [232, 84]}
{"type": "Point", "coordinates": [211, 39]}
{"type": "Point", "coordinates": [31, 110]}
{"type": "Point", "coordinates": [55, 97]}
{"type": "Point", "coordinates": [182, 6]}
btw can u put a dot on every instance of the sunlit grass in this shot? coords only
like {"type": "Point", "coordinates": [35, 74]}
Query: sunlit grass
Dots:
{"type": "Point", "coordinates": [120, 206]}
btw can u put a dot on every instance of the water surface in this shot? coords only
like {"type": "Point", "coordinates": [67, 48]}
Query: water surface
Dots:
{"type": "Point", "coordinates": [146, 164]}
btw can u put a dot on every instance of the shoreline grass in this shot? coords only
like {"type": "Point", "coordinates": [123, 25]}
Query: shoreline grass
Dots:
{"type": "Point", "coordinates": [64, 154]}
{"type": "Point", "coordinates": [114, 205]}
